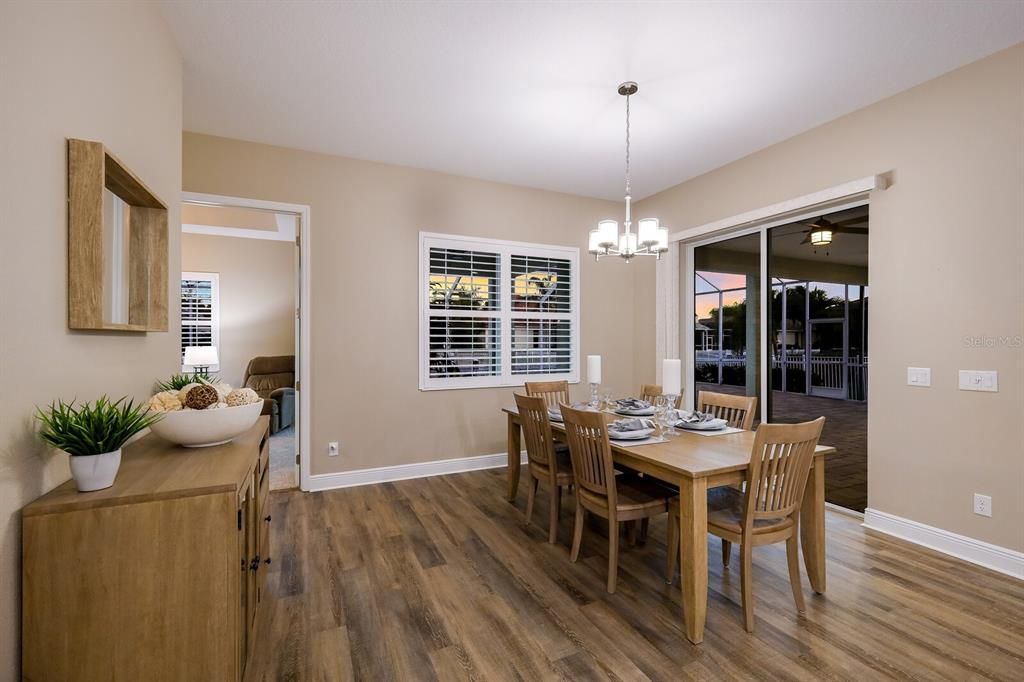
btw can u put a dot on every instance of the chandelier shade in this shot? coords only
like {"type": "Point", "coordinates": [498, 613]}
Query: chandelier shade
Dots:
{"type": "Point", "coordinates": [650, 239]}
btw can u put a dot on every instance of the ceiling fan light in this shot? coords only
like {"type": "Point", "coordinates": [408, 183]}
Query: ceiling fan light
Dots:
{"type": "Point", "coordinates": [647, 231]}
{"type": "Point", "coordinates": [608, 233]}
{"type": "Point", "coordinates": [821, 237]}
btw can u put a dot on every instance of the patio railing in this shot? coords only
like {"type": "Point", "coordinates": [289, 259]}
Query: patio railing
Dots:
{"type": "Point", "coordinates": [826, 372]}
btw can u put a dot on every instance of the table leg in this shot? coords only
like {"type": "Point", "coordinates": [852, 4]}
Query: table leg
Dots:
{"type": "Point", "coordinates": [693, 539]}
{"type": "Point", "coordinates": [812, 526]}
{"type": "Point", "coordinates": [514, 456]}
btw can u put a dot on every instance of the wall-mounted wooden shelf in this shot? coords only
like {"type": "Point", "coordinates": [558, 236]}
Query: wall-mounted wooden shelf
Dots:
{"type": "Point", "coordinates": [91, 169]}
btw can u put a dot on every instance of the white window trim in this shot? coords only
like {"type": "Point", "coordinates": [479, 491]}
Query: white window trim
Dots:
{"type": "Point", "coordinates": [214, 279]}
{"type": "Point", "coordinates": [505, 315]}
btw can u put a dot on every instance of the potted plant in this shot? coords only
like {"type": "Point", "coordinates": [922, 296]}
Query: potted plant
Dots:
{"type": "Point", "coordinates": [93, 434]}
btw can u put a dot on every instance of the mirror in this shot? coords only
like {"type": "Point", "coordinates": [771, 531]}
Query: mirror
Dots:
{"type": "Point", "coordinates": [117, 245]}
{"type": "Point", "coordinates": [116, 257]}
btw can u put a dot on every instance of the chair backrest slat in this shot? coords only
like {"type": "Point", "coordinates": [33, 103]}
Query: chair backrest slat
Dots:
{"type": "Point", "coordinates": [738, 410]}
{"type": "Point", "coordinates": [554, 393]}
{"type": "Point", "coordinates": [779, 465]}
{"type": "Point", "coordinates": [540, 451]}
{"type": "Point", "coordinates": [649, 392]}
{"type": "Point", "coordinates": [591, 453]}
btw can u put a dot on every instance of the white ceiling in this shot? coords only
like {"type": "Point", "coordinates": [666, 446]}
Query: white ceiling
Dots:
{"type": "Point", "coordinates": [525, 92]}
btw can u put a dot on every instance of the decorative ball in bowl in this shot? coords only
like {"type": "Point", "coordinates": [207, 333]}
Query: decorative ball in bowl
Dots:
{"type": "Point", "coordinates": [203, 414]}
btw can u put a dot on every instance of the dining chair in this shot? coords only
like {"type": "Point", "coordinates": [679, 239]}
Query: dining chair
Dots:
{"type": "Point", "coordinates": [618, 499]}
{"type": "Point", "coordinates": [649, 392]}
{"type": "Point", "coordinates": [738, 410]}
{"type": "Point", "coordinates": [546, 465]}
{"type": "Point", "coordinates": [768, 512]}
{"type": "Point", "coordinates": [554, 393]}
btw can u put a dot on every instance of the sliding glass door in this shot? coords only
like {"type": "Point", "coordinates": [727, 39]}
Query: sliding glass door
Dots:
{"type": "Point", "coordinates": [727, 317]}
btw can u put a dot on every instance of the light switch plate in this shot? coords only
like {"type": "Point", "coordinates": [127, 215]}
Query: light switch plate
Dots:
{"type": "Point", "coordinates": [332, 449]}
{"type": "Point", "coordinates": [979, 380]}
{"type": "Point", "coordinates": [919, 376]}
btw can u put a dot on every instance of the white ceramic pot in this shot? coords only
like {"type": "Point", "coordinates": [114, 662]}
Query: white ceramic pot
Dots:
{"type": "Point", "coordinates": [95, 472]}
{"type": "Point", "coordinates": [203, 428]}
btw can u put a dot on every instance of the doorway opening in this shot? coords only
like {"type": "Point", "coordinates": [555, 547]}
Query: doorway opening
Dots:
{"type": "Point", "coordinates": [242, 294]}
{"type": "Point", "coordinates": [780, 312]}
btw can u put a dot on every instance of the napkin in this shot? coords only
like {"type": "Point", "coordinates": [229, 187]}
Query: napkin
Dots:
{"type": "Point", "coordinates": [627, 425]}
{"type": "Point", "coordinates": [632, 404]}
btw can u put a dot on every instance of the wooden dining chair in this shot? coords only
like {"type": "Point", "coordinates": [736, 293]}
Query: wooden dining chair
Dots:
{"type": "Point", "coordinates": [768, 512]}
{"type": "Point", "coordinates": [618, 499]}
{"type": "Point", "coordinates": [546, 465]}
{"type": "Point", "coordinates": [738, 410]}
{"type": "Point", "coordinates": [649, 392]}
{"type": "Point", "coordinates": [554, 393]}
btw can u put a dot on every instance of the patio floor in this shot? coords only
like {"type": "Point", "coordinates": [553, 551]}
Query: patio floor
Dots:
{"type": "Point", "coordinates": [846, 428]}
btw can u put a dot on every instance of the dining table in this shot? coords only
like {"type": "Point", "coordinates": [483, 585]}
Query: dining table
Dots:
{"type": "Point", "coordinates": [696, 463]}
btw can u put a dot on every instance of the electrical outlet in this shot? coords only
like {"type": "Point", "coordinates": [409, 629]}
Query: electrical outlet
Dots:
{"type": "Point", "coordinates": [982, 505]}
{"type": "Point", "coordinates": [332, 449]}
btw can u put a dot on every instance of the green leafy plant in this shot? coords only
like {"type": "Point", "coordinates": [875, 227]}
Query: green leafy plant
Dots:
{"type": "Point", "coordinates": [93, 428]}
{"type": "Point", "coordinates": [180, 381]}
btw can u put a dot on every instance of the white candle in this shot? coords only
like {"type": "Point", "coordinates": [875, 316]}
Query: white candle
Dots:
{"type": "Point", "coordinates": [671, 377]}
{"type": "Point", "coordinates": [594, 369]}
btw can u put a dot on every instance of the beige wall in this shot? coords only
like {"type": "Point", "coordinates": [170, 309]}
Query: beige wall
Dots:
{"type": "Point", "coordinates": [946, 265]}
{"type": "Point", "coordinates": [257, 296]}
{"type": "Point", "coordinates": [365, 220]}
{"type": "Point", "coordinates": [99, 71]}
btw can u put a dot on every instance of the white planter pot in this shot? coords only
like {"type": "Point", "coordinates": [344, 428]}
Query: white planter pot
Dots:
{"type": "Point", "coordinates": [95, 472]}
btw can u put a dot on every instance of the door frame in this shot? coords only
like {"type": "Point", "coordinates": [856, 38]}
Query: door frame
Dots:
{"type": "Point", "coordinates": [824, 392]}
{"type": "Point", "coordinates": [305, 312]}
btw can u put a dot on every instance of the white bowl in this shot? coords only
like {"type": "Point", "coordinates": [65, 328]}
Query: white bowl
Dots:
{"type": "Point", "coordinates": [203, 428]}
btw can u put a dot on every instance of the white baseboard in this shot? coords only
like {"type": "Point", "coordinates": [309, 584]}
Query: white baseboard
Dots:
{"type": "Point", "coordinates": [401, 472]}
{"type": "Point", "coordinates": [984, 554]}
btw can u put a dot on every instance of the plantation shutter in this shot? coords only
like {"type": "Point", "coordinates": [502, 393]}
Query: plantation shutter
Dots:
{"type": "Point", "coordinates": [199, 310]}
{"type": "Point", "coordinates": [496, 313]}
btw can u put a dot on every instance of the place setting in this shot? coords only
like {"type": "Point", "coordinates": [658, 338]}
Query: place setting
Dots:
{"type": "Point", "coordinates": [703, 423]}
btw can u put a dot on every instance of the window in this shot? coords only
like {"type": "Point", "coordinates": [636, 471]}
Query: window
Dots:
{"type": "Point", "coordinates": [200, 312]}
{"type": "Point", "coordinates": [496, 313]}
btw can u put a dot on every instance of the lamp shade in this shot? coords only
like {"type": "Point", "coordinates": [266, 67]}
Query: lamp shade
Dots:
{"type": "Point", "coordinates": [822, 237]}
{"type": "Point", "coordinates": [647, 231]}
{"type": "Point", "coordinates": [608, 231]}
{"type": "Point", "coordinates": [201, 356]}
{"type": "Point", "coordinates": [594, 246]}
{"type": "Point", "coordinates": [662, 244]}
{"type": "Point", "coordinates": [627, 243]}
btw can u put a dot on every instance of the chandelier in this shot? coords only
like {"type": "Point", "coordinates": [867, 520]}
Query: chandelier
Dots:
{"type": "Point", "coordinates": [650, 239]}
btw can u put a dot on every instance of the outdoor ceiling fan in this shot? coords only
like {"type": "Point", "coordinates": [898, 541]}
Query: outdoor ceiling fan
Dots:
{"type": "Point", "coordinates": [821, 231]}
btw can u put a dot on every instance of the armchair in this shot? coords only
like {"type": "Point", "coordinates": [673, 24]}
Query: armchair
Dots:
{"type": "Point", "coordinates": [273, 379]}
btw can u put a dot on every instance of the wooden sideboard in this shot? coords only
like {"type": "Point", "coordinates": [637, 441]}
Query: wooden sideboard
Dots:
{"type": "Point", "coordinates": [156, 578]}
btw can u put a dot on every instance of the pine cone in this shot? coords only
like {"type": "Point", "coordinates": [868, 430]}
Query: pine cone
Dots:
{"type": "Point", "coordinates": [202, 396]}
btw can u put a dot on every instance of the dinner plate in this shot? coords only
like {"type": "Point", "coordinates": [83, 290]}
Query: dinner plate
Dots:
{"type": "Point", "coordinates": [630, 435]}
{"type": "Point", "coordinates": [713, 425]}
{"type": "Point", "coordinates": [635, 411]}
{"type": "Point", "coordinates": [555, 417]}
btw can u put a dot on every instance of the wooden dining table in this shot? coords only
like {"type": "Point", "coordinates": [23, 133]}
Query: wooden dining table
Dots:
{"type": "Point", "coordinates": [697, 463]}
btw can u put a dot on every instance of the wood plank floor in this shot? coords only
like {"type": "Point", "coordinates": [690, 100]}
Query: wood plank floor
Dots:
{"type": "Point", "coordinates": [439, 579]}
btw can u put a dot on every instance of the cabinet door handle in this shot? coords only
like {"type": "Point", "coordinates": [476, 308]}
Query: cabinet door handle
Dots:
{"type": "Point", "coordinates": [267, 518]}
{"type": "Point", "coordinates": [267, 560]}
{"type": "Point", "coordinates": [255, 563]}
